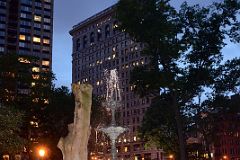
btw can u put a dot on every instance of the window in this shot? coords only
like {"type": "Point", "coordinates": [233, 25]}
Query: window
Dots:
{"type": "Point", "coordinates": [22, 44]}
{"type": "Point", "coordinates": [115, 26]}
{"type": "Point", "coordinates": [22, 37]}
{"type": "Point", "coordinates": [92, 37]}
{"type": "Point", "coordinates": [84, 41]}
{"type": "Point", "coordinates": [107, 31]}
{"type": "Point", "coordinates": [23, 60]}
{"type": "Point", "coordinates": [99, 34]}
{"type": "Point", "coordinates": [37, 18]}
{"type": "Point", "coordinates": [35, 69]}
{"type": "Point", "coordinates": [36, 25]}
{"type": "Point", "coordinates": [23, 15]}
{"type": "Point", "coordinates": [46, 27]}
{"type": "Point", "coordinates": [36, 39]}
{"type": "Point", "coordinates": [46, 41]}
{"type": "Point", "coordinates": [46, 6]}
{"type": "Point", "coordinates": [45, 63]}
{"type": "Point", "coordinates": [35, 76]}
{"type": "Point", "coordinates": [47, 20]}
{"type": "Point", "coordinates": [1, 49]}
{"type": "Point", "coordinates": [78, 44]}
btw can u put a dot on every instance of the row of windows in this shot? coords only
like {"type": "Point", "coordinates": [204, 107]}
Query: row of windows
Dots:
{"type": "Point", "coordinates": [34, 39]}
{"type": "Point", "coordinates": [36, 4]}
{"type": "Point", "coordinates": [36, 18]}
{"type": "Point", "coordinates": [34, 69]}
{"type": "Point", "coordinates": [94, 36]}
{"type": "Point", "coordinates": [36, 25]}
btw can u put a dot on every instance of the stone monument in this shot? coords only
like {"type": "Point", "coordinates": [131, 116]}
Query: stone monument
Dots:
{"type": "Point", "coordinates": [74, 145]}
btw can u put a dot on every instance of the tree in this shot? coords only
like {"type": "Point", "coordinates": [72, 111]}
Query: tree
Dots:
{"type": "Point", "coordinates": [11, 121]}
{"type": "Point", "coordinates": [184, 48]}
{"type": "Point", "coordinates": [60, 112]}
{"type": "Point", "coordinates": [27, 86]}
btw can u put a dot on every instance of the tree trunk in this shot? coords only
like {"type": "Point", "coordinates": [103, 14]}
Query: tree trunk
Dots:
{"type": "Point", "coordinates": [181, 135]}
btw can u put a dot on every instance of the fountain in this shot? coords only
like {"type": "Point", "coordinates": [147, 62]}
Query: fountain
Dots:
{"type": "Point", "coordinates": [113, 101]}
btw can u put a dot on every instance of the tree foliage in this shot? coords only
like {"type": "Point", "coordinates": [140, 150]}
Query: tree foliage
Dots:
{"type": "Point", "coordinates": [11, 121]}
{"type": "Point", "coordinates": [185, 52]}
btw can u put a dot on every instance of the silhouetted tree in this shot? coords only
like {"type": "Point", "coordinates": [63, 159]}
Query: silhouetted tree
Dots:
{"type": "Point", "coordinates": [184, 48]}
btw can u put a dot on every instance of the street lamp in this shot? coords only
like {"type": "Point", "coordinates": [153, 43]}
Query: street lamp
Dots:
{"type": "Point", "coordinates": [225, 157]}
{"type": "Point", "coordinates": [42, 152]}
{"type": "Point", "coordinates": [171, 156]}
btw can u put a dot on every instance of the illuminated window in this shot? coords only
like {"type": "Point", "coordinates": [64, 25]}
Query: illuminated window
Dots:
{"type": "Point", "coordinates": [35, 100]}
{"type": "Point", "coordinates": [46, 101]}
{"type": "Point", "coordinates": [35, 76]}
{"type": "Point", "coordinates": [35, 69]}
{"type": "Point", "coordinates": [46, 41]}
{"type": "Point", "coordinates": [135, 138]}
{"type": "Point", "coordinates": [23, 60]}
{"type": "Point", "coordinates": [22, 37]}
{"type": "Point", "coordinates": [37, 18]}
{"type": "Point", "coordinates": [98, 83]}
{"type": "Point", "coordinates": [36, 39]}
{"type": "Point", "coordinates": [45, 63]}
{"type": "Point", "coordinates": [33, 84]}
{"type": "Point", "coordinates": [125, 149]}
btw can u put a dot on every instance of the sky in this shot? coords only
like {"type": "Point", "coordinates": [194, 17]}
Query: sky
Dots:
{"type": "Point", "coordinates": [68, 13]}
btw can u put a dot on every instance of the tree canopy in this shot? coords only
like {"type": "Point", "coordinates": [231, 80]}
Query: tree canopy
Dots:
{"type": "Point", "coordinates": [185, 51]}
{"type": "Point", "coordinates": [11, 121]}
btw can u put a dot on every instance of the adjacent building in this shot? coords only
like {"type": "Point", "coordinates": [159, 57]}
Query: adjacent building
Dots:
{"type": "Point", "coordinates": [99, 45]}
{"type": "Point", "coordinates": [26, 28]}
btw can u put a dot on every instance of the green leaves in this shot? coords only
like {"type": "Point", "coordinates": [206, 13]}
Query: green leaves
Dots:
{"type": "Point", "coordinates": [11, 121]}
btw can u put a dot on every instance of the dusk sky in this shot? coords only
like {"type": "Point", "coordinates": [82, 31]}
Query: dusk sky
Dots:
{"type": "Point", "coordinates": [70, 12]}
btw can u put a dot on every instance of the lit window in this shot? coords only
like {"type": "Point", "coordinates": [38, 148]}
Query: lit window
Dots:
{"type": "Point", "coordinates": [98, 83]}
{"type": "Point", "coordinates": [35, 76]}
{"type": "Point", "coordinates": [33, 84]}
{"type": "Point", "coordinates": [135, 138]}
{"type": "Point", "coordinates": [114, 56]}
{"type": "Point", "coordinates": [22, 37]}
{"type": "Point", "coordinates": [35, 100]}
{"type": "Point", "coordinates": [35, 69]}
{"type": "Point", "coordinates": [37, 18]}
{"type": "Point", "coordinates": [46, 101]}
{"type": "Point", "coordinates": [125, 149]}
{"type": "Point", "coordinates": [23, 60]}
{"type": "Point", "coordinates": [45, 63]}
{"type": "Point", "coordinates": [46, 41]}
{"type": "Point", "coordinates": [36, 39]}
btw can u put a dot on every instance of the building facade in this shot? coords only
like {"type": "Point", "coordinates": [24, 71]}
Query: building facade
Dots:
{"type": "Point", "coordinates": [227, 145]}
{"type": "Point", "coordinates": [99, 45]}
{"type": "Point", "coordinates": [26, 28]}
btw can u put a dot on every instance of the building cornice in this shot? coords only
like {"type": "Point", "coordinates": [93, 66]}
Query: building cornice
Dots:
{"type": "Point", "coordinates": [92, 19]}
